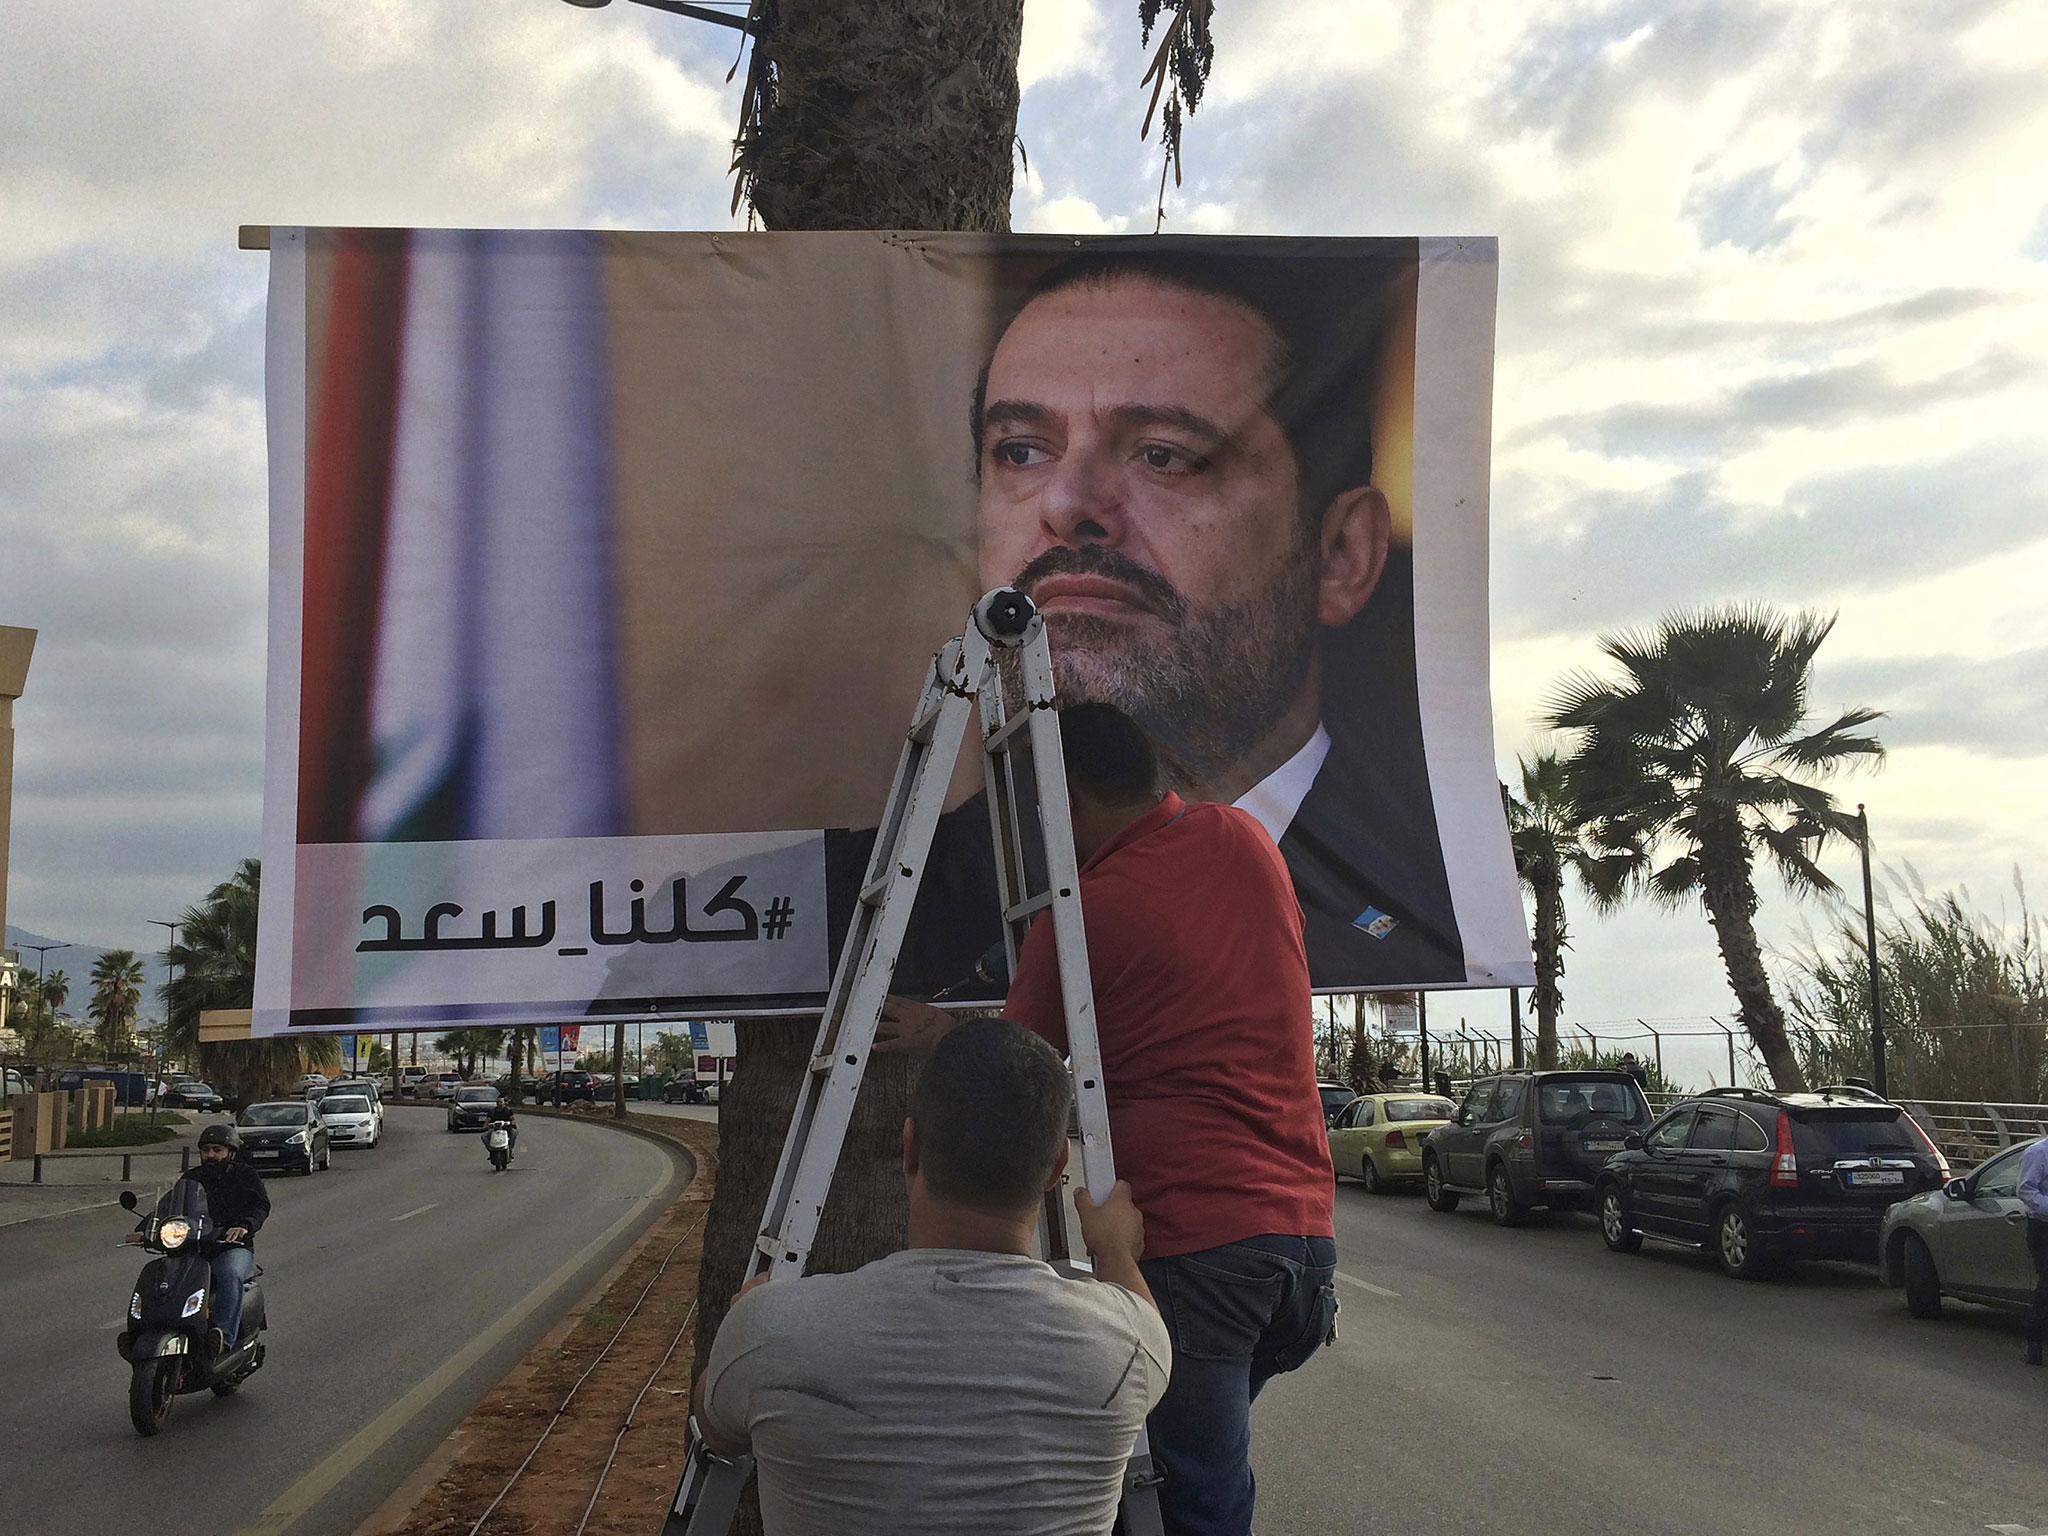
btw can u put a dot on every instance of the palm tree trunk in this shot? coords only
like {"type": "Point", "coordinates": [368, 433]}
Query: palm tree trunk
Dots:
{"type": "Point", "coordinates": [881, 117]}
{"type": "Point", "coordinates": [1730, 895]}
{"type": "Point", "coordinates": [1549, 966]}
{"type": "Point", "coordinates": [899, 116]}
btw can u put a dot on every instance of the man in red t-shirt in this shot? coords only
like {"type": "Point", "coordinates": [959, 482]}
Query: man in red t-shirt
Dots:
{"type": "Point", "coordinates": [1202, 1011]}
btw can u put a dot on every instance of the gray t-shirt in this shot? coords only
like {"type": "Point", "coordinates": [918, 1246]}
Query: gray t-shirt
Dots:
{"type": "Point", "coordinates": [938, 1390]}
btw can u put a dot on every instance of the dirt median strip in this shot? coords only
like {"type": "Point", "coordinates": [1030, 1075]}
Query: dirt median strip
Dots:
{"type": "Point", "coordinates": [631, 1344]}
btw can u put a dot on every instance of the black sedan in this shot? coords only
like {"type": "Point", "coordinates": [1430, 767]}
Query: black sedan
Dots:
{"type": "Point", "coordinates": [470, 1109]}
{"type": "Point", "coordinates": [191, 1094]}
{"type": "Point", "coordinates": [283, 1135]}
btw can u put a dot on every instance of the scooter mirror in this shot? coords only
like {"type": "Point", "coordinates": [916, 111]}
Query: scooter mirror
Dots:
{"type": "Point", "coordinates": [128, 1199]}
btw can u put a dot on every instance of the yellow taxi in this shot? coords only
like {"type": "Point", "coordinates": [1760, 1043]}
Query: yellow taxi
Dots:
{"type": "Point", "coordinates": [1378, 1137]}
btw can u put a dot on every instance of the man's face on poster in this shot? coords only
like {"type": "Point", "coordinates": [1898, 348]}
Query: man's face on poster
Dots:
{"type": "Point", "coordinates": [1135, 484]}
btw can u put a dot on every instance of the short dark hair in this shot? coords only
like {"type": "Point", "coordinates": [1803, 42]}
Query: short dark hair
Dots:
{"type": "Point", "coordinates": [1315, 390]}
{"type": "Point", "coordinates": [1108, 754]}
{"type": "Point", "coordinates": [991, 1115]}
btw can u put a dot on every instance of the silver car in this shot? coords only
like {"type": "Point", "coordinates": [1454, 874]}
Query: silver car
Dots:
{"type": "Point", "coordinates": [1967, 1239]}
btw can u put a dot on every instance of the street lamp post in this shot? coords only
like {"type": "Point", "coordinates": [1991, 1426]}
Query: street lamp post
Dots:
{"type": "Point", "coordinates": [42, 950]}
{"type": "Point", "coordinates": [162, 922]}
{"type": "Point", "coordinates": [675, 8]}
{"type": "Point", "coordinates": [1877, 1076]}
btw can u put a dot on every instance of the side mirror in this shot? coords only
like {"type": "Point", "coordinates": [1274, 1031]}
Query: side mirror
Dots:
{"type": "Point", "coordinates": [128, 1201]}
{"type": "Point", "coordinates": [1957, 1189]}
{"type": "Point", "coordinates": [1633, 1141]}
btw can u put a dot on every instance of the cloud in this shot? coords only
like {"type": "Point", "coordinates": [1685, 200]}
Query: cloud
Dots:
{"type": "Point", "coordinates": [1616, 558]}
{"type": "Point", "coordinates": [1979, 704]}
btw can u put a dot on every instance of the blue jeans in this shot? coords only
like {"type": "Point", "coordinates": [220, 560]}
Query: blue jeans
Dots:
{"type": "Point", "coordinates": [231, 1266]}
{"type": "Point", "coordinates": [1238, 1316]}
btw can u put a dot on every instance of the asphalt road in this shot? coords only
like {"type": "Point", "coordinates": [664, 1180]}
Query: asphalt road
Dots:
{"type": "Point", "coordinates": [395, 1284]}
{"type": "Point", "coordinates": [1529, 1381]}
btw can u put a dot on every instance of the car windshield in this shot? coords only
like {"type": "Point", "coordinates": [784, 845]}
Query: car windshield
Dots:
{"type": "Point", "coordinates": [1853, 1133]}
{"type": "Point", "coordinates": [272, 1114]}
{"type": "Point", "coordinates": [332, 1106]}
{"type": "Point", "coordinates": [191, 1086]}
{"type": "Point", "coordinates": [477, 1096]}
{"type": "Point", "coordinates": [1420, 1109]}
{"type": "Point", "coordinates": [1565, 1101]}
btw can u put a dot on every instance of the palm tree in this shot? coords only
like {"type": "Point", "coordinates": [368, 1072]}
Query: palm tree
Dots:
{"type": "Point", "coordinates": [1697, 760]}
{"type": "Point", "coordinates": [56, 992]}
{"type": "Point", "coordinates": [116, 989]}
{"type": "Point", "coordinates": [215, 960]}
{"type": "Point", "coordinates": [1550, 840]}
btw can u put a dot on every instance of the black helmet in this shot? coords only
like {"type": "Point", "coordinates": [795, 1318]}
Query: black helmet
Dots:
{"type": "Point", "coordinates": [221, 1136]}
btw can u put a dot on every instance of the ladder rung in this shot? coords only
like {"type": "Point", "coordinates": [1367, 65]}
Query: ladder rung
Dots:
{"type": "Point", "coordinates": [1024, 909]}
{"type": "Point", "coordinates": [998, 739]}
{"type": "Point", "coordinates": [820, 1065]}
{"type": "Point", "coordinates": [871, 893]}
{"type": "Point", "coordinates": [921, 727]}
{"type": "Point", "coordinates": [770, 1243]}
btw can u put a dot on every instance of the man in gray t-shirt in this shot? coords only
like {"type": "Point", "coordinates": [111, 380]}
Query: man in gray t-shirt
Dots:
{"type": "Point", "coordinates": [961, 1385]}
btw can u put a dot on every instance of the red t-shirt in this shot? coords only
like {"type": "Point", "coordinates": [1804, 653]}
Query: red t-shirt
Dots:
{"type": "Point", "coordinates": [1203, 1014]}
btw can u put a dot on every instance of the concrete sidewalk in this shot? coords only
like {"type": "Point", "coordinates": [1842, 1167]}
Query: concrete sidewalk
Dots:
{"type": "Point", "coordinates": [156, 1162]}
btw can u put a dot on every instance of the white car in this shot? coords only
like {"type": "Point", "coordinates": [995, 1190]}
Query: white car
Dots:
{"type": "Point", "coordinates": [442, 1085]}
{"type": "Point", "coordinates": [350, 1120]}
{"type": "Point", "coordinates": [363, 1087]}
{"type": "Point", "coordinates": [412, 1079]}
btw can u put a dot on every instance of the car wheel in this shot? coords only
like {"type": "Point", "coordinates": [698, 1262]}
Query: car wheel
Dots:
{"type": "Point", "coordinates": [1500, 1195]}
{"type": "Point", "coordinates": [1369, 1171]}
{"type": "Point", "coordinates": [1615, 1230]}
{"type": "Point", "coordinates": [1439, 1198]}
{"type": "Point", "coordinates": [1923, 1283]}
{"type": "Point", "coordinates": [1736, 1246]}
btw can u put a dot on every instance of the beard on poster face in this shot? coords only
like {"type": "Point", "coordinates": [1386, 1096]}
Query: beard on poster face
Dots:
{"type": "Point", "coordinates": [1207, 683]}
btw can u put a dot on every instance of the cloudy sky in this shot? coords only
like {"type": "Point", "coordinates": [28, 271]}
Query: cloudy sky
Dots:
{"type": "Point", "coordinates": [1774, 305]}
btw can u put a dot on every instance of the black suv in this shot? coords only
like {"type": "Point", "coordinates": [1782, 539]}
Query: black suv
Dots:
{"type": "Point", "coordinates": [1531, 1138]}
{"type": "Point", "coordinates": [1758, 1178]}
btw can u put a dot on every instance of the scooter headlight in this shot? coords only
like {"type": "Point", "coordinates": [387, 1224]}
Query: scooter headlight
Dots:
{"type": "Point", "coordinates": [193, 1303]}
{"type": "Point", "coordinates": [135, 1306]}
{"type": "Point", "coordinates": [174, 1232]}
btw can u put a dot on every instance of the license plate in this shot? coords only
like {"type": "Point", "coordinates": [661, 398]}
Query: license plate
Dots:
{"type": "Point", "coordinates": [1880, 1177]}
{"type": "Point", "coordinates": [1603, 1146]}
{"type": "Point", "coordinates": [266, 1154]}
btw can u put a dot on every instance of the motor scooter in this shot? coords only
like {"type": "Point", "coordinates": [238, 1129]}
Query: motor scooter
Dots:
{"type": "Point", "coordinates": [498, 1143]}
{"type": "Point", "coordinates": [167, 1338]}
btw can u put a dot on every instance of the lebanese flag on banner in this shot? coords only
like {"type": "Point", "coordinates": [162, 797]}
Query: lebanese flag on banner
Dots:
{"type": "Point", "coordinates": [492, 706]}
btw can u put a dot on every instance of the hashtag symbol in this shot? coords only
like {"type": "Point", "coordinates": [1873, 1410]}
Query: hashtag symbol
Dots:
{"type": "Point", "coordinates": [780, 912]}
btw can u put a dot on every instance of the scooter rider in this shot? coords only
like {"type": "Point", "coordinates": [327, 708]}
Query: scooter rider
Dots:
{"type": "Point", "coordinates": [501, 1115]}
{"type": "Point", "coordinates": [237, 1203]}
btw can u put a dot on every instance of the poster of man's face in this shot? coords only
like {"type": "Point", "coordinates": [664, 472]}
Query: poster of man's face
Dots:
{"type": "Point", "coordinates": [607, 569]}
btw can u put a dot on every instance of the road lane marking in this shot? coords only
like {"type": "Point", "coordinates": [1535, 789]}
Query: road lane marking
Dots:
{"type": "Point", "coordinates": [306, 1494]}
{"type": "Point", "coordinates": [1367, 1285]}
{"type": "Point", "coordinates": [419, 1211]}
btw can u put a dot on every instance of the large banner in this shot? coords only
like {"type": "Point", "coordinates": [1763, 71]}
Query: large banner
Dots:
{"type": "Point", "coordinates": [606, 568]}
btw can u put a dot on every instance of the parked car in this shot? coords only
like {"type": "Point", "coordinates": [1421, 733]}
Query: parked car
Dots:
{"type": "Point", "coordinates": [285, 1134]}
{"type": "Point", "coordinates": [1378, 1138]}
{"type": "Point", "coordinates": [567, 1087]}
{"type": "Point", "coordinates": [1758, 1178]}
{"type": "Point", "coordinates": [349, 1120]}
{"type": "Point", "coordinates": [470, 1109]}
{"type": "Point", "coordinates": [11, 1083]}
{"type": "Point", "coordinates": [682, 1090]}
{"type": "Point", "coordinates": [412, 1080]}
{"type": "Point", "coordinates": [1335, 1096]}
{"type": "Point", "coordinates": [1526, 1139]}
{"type": "Point", "coordinates": [1967, 1240]}
{"type": "Point", "coordinates": [442, 1085]}
{"type": "Point", "coordinates": [192, 1094]}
